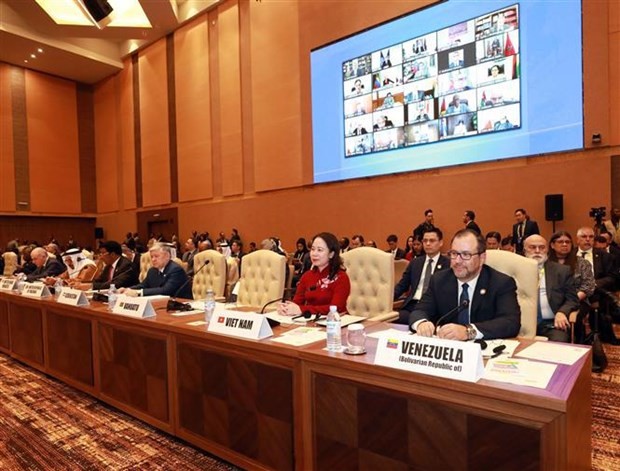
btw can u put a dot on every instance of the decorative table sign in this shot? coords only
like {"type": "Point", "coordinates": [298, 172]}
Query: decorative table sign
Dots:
{"type": "Point", "coordinates": [73, 297]}
{"type": "Point", "coordinates": [430, 355]}
{"type": "Point", "coordinates": [8, 284]}
{"type": "Point", "coordinates": [134, 307]}
{"type": "Point", "coordinates": [244, 325]}
{"type": "Point", "coordinates": [35, 290]}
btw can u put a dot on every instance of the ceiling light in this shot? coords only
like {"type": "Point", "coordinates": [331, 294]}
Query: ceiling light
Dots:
{"type": "Point", "coordinates": [125, 13]}
{"type": "Point", "coordinates": [129, 13]}
{"type": "Point", "coordinates": [33, 56]}
{"type": "Point", "coordinates": [65, 12]}
{"type": "Point", "coordinates": [40, 51]}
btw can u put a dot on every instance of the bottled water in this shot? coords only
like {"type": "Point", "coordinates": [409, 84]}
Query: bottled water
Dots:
{"type": "Point", "coordinates": [334, 340]}
{"type": "Point", "coordinates": [209, 305]}
{"type": "Point", "coordinates": [112, 297]}
{"type": "Point", "coordinates": [57, 288]}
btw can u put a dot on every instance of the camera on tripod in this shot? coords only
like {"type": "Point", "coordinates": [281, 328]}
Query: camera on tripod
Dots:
{"type": "Point", "coordinates": [598, 214]}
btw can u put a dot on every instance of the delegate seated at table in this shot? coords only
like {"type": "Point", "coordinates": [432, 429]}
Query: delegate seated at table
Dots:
{"type": "Point", "coordinates": [324, 285]}
{"type": "Point", "coordinates": [165, 277]}
{"type": "Point", "coordinates": [483, 300]}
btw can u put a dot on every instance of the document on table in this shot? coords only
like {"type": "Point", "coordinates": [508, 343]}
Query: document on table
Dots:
{"type": "Point", "coordinates": [301, 336]}
{"type": "Point", "coordinates": [376, 335]}
{"type": "Point", "coordinates": [509, 347]}
{"type": "Point", "coordinates": [520, 372]}
{"type": "Point", "coordinates": [566, 354]}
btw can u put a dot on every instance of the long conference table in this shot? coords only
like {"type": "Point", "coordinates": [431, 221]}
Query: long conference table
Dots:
{"type": "Point", "coordinates": [265, 405]}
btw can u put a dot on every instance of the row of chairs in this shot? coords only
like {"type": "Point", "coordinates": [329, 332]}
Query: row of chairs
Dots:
{"type": "Point", "coordinates": [372, 272]}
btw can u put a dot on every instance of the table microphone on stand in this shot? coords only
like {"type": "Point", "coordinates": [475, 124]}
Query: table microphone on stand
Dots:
{"type": "Point", "coordinates": [173, 304]}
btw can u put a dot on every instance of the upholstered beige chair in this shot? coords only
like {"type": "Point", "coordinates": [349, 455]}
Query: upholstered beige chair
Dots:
{"type": "Point", "coordinates": [213, 276]}
{"type": "Point", "coordinates": [232, 274]}
{"type": "Point", "coordinates": [371, 272]}
{"type": "Point", "coordinates": [145, 264]}
{"type": "Point", "coordinates": [525, 273]}
{"type": "Point", "coordinates": [10, 263]}
{"type": "Point", "coordinates": [262, 279]}
{"type": "Point", "coordinates": [399, 268]}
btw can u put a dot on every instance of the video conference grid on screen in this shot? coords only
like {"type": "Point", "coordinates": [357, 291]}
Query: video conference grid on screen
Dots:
{"type": "Point", "coordinates": [459, 81]}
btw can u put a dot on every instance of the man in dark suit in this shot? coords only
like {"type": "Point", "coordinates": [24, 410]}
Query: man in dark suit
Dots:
{"type": "Point", "coordinates": [469, 219]}
{"type": "Point", "coordinates": [165, 277]}
{"type": "Point", "coordinates": [557, 296]}
{"type": "Point", "coordinates": [397, 252]}
{"type": "Point", "coordinates": [428, 223]}
{"type": "Point", "coordinates": [523, 228]}
{"type": "Point", "coordinates": [417, 276]}
{"type": "Point", "coordinates": [118, 270]}
{"type": "Point", "coordinates": [602, 262]}
{"type": "Point", "coordinates": [480, 301]}
{"type": "Point", "coordinates": [46, 265]}
{"type": "Point", "coordinates": [188, 256]}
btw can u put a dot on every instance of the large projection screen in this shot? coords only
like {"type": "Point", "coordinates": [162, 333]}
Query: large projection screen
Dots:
{"type": "Point", "coordinates": [460, 82]}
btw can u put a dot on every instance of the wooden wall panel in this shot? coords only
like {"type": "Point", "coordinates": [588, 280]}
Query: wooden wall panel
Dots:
{"type": "Point", "coordinates": [614, 80]}
{"type": "Point", "coordinates": [596, 75]}
{"type": "Point", "coordinates": [107, 146]}
{"type": "Point", "coordinates": [395, 204]}
{"type": "Point", "coordinates": [125, 124]}
{"type": "Point", "coordinates": [86, 147]}
{"type": "Point", "coordinates": [154, 125]}
{"type": "Point", "coordinates": [53, 144]}
{"type": "Point", "coordinates": [7, 167]}
{"type": "Point", "coordinates": [193, 108]}
{"type": "Point", "coordinates": [276, 108]}
{"type": "Point", "coordinates": [229, 69]}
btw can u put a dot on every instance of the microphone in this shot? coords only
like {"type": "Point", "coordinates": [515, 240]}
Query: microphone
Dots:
{"type": "Point", "coordinates": [173, 304]}
{"type": "Point", "coordinates": [104, 297]}
{"type": "Point", "coordinates": [452, 312]}
{"type": "Point", "coordinates": [307, 315]}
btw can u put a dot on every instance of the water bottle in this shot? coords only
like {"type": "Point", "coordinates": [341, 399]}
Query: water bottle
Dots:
{"type": "Point", "coordinates": [209, 305]}
{"type": "Point", "coordinates": [112, 296]}
{"type": "Point", "coordinates": [57, 288]}
{"type": "Point", "coordinates": [334, 340]}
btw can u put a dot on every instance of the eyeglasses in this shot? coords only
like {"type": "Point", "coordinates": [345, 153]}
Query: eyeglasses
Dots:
{"type": "Point", "coordinates": [453, 254]}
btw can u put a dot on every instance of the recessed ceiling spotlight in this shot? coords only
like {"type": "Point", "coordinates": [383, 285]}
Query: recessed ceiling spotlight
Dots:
{"type": "Point", "coordinates": [40, 51]}
{"type": "Point", "coordinates": [33, 56]}
{"type": "Point", "coordinates": [26, 61]}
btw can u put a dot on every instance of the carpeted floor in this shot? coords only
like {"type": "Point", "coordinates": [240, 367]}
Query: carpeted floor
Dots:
{"type": "Point", "coordinates": [46, 425]}
{"type": "Point", "coordinates": [606, 412]}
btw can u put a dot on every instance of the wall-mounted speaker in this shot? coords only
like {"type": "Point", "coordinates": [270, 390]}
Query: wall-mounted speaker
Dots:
{"type": "Point", "coordinates": [98, 232]}
{"type": "Point", "coordinates": [554, 207]}
{"type": "Point", "coordinates": [100, 11]}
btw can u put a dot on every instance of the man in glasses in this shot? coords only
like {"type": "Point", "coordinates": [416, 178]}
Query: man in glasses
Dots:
{"type": "Point", "coordinates": [469, 301]}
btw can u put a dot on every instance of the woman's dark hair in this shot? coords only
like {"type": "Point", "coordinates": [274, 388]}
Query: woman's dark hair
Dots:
{"type": "Point", "coordinates": [407, 248]}
{"type": "Point", "coordinates": [335, 263]}
{"type": "Point", "coordinates": [302, 241]}
{"type": "Point", "coordinates": [571, 258]}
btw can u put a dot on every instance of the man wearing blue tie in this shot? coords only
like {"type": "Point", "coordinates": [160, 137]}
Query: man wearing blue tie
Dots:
{"type": "Point", "coordinates": [471, 300]}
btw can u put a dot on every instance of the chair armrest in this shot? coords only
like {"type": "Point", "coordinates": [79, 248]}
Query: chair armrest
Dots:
{"type": "Point", "coordinates": [398, 304]}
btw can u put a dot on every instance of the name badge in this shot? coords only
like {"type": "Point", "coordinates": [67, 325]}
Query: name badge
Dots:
{"type": "Point", "coordinates": [432, 356]}
{"type": "Point", "coordinates": [73, 297]}
{"type": "Point", "coordinates": [35, 290]}
{"type": "Point", "coordinates": [8, 284]}
{"type": "Point", "coordinates": [239, 324]}
{"type": "Point", "coordinates": [140, 308]}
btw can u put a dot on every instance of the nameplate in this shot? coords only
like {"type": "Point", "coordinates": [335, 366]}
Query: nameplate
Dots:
{"type": "Point", "coordinates": [73, 297]}
{"type": "Point", "coordinates": [8, 284]}
{"type": "Point", "coordinates": [35, 290]}
{"type": "Point", "coordinates": [133, 307]}
{"type": "Point", "coordinates": [244, 325]}
{"type": "Point", "coordinates": [432, 356]}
